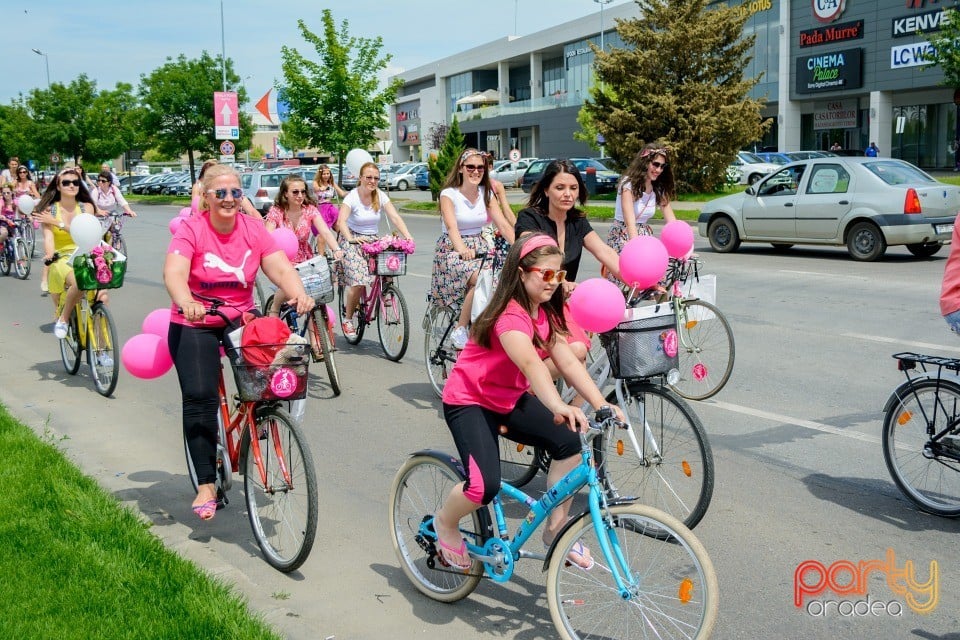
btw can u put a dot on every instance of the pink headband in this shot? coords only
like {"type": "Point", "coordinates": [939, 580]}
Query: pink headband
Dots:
{"type": "Point", "coordinates": [537, 242]}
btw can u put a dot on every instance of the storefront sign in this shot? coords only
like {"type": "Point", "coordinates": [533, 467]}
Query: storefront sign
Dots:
{"type": "Point", "coordinates": [926, 22]}
{"type": "Point", "coordinates": [911, 55]}
{"type": "Point", "coordinates": [828, 10]}
{"type": "Point", "coordinates": [835, 33]}
{"type": "Point", "coordinates": [837, 114]}
{"type": "Point", "coordinates": [408, 134]}
{"type": "Point", "coordinates": [830, 71]}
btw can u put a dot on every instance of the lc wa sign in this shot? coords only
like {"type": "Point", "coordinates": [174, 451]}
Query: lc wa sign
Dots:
{"type": "Point", "coordinates": [832, 71]}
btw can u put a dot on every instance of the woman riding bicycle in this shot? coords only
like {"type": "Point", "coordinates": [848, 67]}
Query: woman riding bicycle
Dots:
{"type": "Point", "coordinates": [646, 184]}
{"type": "Point", "coordinates": [64, 200]}
{"type": "Point", "coordinates": [216, 253]}
{"type": "Point", "coordinates": [488, 387]}
{"type": "Point", "coordinates": [8, 214]}
{"type": "Point", "coordinates": [294, 209]}
{"type": "Point", "coordinates": [24, 186]}
{"type": "Point", "coordinates": [107, 196]}
{"type": "Point", "coordinates": [466, 206]}
{"type": "Point", "coordinates": [359, 221]}
{"type": "Point", "coordinates": [327, 192]}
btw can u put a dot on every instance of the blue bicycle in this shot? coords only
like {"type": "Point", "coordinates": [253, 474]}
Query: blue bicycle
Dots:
{"type": "Point", "coordinates": [651, 576]}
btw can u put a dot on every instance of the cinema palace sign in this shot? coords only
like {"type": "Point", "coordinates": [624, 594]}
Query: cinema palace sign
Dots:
{"type": "Point", "coordinates": [832, 71]}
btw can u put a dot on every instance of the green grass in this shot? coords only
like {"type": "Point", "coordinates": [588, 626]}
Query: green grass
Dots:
{"type": "Point", "coordinates": [76, 564]}
{"type": "Point", "coordinates": [133, 198]}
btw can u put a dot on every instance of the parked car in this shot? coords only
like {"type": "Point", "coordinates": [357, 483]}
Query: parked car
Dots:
{"type": "Point", "coordinates": [182, 186]}
{"type": "Point", "coordinates": [752, 167]}
{"type": "Point", "coordinates": [606, 179]}
{"type": "Point", "coordinates": [422, 178]}
{"type": "Point", "coordinates": [402, 179]}
{"type": "Point", "coordinates": [127, 182]}
{"type": "Point", "coordinates": [510, 173]}
{"type": "Point", "coordinates": [156, 188]}
{"type": "Point", "coordinates": [786, 157]}
{"type": "Point", "coordinates": [262, 186]}
{"type": "Point", "coordinates": [140, 187]}
{"type": "Point", "coordinates": [866, 204]}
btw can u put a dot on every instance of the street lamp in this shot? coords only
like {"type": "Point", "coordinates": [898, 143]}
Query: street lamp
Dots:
{"type": "Point", "coordinates": [601, 3]}
{"type": "Point", "coordinates": [46, 59]}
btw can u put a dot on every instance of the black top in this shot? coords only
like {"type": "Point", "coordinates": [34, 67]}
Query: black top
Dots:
{"type": "Point", "coordinates": [577, 228]}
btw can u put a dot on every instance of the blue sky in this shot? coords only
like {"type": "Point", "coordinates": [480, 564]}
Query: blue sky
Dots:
{"type": "Point", "coordinates": [118, 40]}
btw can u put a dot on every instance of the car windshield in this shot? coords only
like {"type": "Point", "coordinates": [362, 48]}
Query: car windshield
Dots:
{"type": "Point", "coordinates": [749, 157]}
{"type": "Point", "coordinates": [775, 159]}
{"type": "Point", "coordinates": [894, 173]}
{"type": "Point", "coordinates": [584, 164]}
{"type": "Point", "coordinates": [500, 165]}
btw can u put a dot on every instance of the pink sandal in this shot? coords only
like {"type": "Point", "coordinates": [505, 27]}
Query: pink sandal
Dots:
{"type": "Point", "coordinates": [207, 510]}
{"type": "Point", "coordinates": [462, 552]}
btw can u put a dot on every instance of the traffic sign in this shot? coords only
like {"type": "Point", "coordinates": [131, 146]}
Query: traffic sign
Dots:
{"type": "Point", "coordinates": [228, 158]}
{"type": "Point", "coordinates": [227, 148]}
{"type": "Point", "coordinates": [226, 115]}
{"type": "Point", "coordinates": [514, 155]}
{"type": "Point", "coordinates": [54, 158]}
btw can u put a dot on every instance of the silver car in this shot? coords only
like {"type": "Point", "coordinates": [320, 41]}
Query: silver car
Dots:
{"type": "Point", "coordinates": [261, 187]}
{"type": "Point", "coordinates": [866, 204]}
{"type": "Point", "coordinates": [510, 173]}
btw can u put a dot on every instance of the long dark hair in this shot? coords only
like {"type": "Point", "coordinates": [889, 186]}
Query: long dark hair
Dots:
{"type": "Point", "coordinates": [538, 194]}
{"type": "Point", "coordinates": [455, 178]}
{"type": "Point", "coordinates": [511, 288]}
{"type": "Point", "coordinates": [52, 193]}
{"type": "Point", "coordinates": [663, 187]}
{"type": "Point", "coordinates": [282, 201]}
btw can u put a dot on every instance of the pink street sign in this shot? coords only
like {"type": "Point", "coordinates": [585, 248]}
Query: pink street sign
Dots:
{"type": "Point", "coordinates": [225, 108]}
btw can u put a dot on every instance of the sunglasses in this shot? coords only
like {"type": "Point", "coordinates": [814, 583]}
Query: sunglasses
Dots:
{"type": "Point", "coordinates": [474, 168]}
{"type": "Point", "coordinates": [221, 194]}
{"type": "Point", "coordinates": [21, 170]}
{"type": "Point", "coordinates": [298, 192]}
{"type": "Point", "coordinates": [102, 180]}
{"type": "Point", "coordinates": [659, 165]}
{"type": "Point", "coordinates": [69, 183]}
{"type": "Point", "coordinates": [548, 275]}
{"type": "Point", "coordinates": [371, 178]}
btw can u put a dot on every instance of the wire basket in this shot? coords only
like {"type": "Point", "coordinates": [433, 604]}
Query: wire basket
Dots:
{"type": "Point", "coordinates": [317, 282]}
{"type": "Point", "coordinates": [86, 275]}
{"type": "Point", "coordinates": [643, 346]}
{"type": "Point", "coordinates": [285, 378]}
{"type": "Point", "coordinates": [388, 263]}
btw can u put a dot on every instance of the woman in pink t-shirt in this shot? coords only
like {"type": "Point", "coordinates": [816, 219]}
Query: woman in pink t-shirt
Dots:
{"type": "Point", "coordinates": [488, 387]}
{"type": "Point", "coordinates": [215, 254]}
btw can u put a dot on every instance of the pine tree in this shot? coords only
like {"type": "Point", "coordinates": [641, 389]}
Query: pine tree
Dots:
{"type": "Point", "coordinates": [679, 79]}
{"type": "Point", "coordinates": [440, 165]}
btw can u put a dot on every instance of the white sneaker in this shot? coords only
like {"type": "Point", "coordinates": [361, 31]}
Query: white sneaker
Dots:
{"type": "Point", "coordinates": [60, 329]}
{"type": "Point", "coordinates": [459, 337]}
{"type": "Point", "coordinates": [104, 360]}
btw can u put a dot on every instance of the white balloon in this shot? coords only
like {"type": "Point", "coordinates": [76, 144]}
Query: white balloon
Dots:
{"type": "Point", "coordinates": [355, 159]}
{"type": "Point", "coordinates": [26, 204]}
{"type": "Point", "coordinates": [86, 232]}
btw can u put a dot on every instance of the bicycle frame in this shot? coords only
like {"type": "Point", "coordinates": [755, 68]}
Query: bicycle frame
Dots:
{"type": "Point", "coordinates": [908, 362]}
{"type": "Point", "coordinates": [371, 298]}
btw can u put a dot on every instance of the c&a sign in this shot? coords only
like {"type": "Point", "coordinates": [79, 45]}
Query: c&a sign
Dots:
{"type": "Point", "coordinates": [831, 71]}
{"type": "Point", "coordinates": [828, 10]}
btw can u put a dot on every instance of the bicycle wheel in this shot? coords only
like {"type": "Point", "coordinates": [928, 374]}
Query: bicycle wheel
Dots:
{"type": "Point", "coordinates": [518, 462]}
{"type": "Point", "coordinates": [119, 243]}
{"type": "Point", "coordinates": [419, 489]}
{"type": "Point", "coordinates": [361, 323]}
{"type": "Point", "coordinates": [282, 506]}
{"type": "Point", "coordinates": [320, 335]}
{"type": "Point", "coordinates": [673, 469]}
{"type": "Point", "coordinates": [102, 356]}
{"type": "Point", "coordinates": [674, 592]}
{"type": "Point", "coordinates": [927, 471]}
{"type": "Point", "coordinates": [5, 259]}
{"type": "Point", "coordinates": [29, 235]}
{"type": "Point", "coordinates": [70, 346]}
{"type": "Point", "coordinates": [22, 255]}
{"type": "Point", "coordinates": [393, 323]}
{"type": "Point", "coordinates": [438, 352]}
{"type": "Point", "coordinates": [706, 350]}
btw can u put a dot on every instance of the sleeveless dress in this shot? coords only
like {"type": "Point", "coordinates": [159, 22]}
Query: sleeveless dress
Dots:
{"type": "Point", "coordinates": [65, 246]}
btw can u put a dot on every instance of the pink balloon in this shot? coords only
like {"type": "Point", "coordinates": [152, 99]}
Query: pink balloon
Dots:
{"type": "Point", "coordinates": [643, 262]}
{"type": "Point", "coordinates": [146, 356]}
{"type": "Point", "coordinates": [287, 240]}
{"type": "Point", "coordinates": [330, 316]}
{"type": "Point", "coordinates": [677, 237]}
{"type": "Point", "coordinates": [186, 212]}
{"type": "Point", "coordinates": [597, 305]}
{"type": "Point", "coordinates": [174, 225]}
{"type": "Point", "coordinates": [157, 322]}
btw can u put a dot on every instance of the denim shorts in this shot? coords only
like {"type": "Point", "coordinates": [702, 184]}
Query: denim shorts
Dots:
{"type": "Point", "coordinates": [953, 319]}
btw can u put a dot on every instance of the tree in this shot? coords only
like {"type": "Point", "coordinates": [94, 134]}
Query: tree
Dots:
{"type": "Point", "coordinates": [16, 134]}
{"type": "Point", "coordinates": [335, 103]}
{"type": "Point", "coordinates": [680, 79]}
{"type": "Point", "coordinates": [439, 166]}
{"type": "Point", "coordinates": [436, 134]}
{"type": "Point", "coordinates": [945, 51]}
{"type": "Point", "coordinates": [178, 102]}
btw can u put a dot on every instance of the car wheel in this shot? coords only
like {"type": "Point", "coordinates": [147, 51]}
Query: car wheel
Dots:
{"type": "Point", "coordinates": [754, 178]}
{"type": "Point", "coordinates": [781, 246]}
{"type": "Point", "coordinates": [865, 242]}
{"type": "Point", "coordinates": [723, 235]}
{"type": "Point", "coordinates": [402, 185]}
{"type": "Point", "coordinates": [924, 249]}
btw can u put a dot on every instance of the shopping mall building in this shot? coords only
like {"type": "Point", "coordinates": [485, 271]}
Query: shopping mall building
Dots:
{"type": "Point", "coordinates": [847, 71]}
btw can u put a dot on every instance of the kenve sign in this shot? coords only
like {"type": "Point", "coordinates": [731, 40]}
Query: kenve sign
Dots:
{"type": "Point", "coordinates": [926, 22]}
{"type": "Point", "coordinates": [832, 71]}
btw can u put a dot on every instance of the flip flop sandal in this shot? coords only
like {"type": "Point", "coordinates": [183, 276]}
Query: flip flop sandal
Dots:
{"type": "Point", "coordinates": [207, 510]}
{"type": "Point", "coordinates": [576, 555]}
{"type": "Point", "coordinates": [462, 552]}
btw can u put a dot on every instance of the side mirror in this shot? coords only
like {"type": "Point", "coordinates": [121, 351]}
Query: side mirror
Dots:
{"type": "Point", "coordinates": [751, 190]}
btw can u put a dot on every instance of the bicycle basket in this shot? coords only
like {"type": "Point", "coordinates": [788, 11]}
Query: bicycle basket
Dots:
{"type": "Point", "coordinates": [644, 345]}
{"type": "Point", "coordinates": [283, 379]}
{"type": "Point", "coordinates": [315, 275]}
{"type": "Point", "coordinates": [86, 274]}
{"type": "Point", "coordinates": [388, 263]}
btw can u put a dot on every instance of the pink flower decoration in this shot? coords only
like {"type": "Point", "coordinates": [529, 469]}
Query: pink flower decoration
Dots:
{"type": "Point", "coordinates": [670, 343]}
{"type": "Point", "coordinates": [699, 372]}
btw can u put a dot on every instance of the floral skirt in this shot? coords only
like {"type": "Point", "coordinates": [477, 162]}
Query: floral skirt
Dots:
{"type": "Point", "coordinates": [618, 235]}
{"type": "Point", "coordinates": [448, 282]}
{"type": "Point", "coordinates": [352, 270]}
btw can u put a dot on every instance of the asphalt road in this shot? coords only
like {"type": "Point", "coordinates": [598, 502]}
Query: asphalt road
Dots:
{"type": "Point", "coordinates": [795, 434]}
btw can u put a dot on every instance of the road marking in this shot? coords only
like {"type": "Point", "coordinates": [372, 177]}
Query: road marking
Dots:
{"type": "Point", "coordinates": [886, 340]}
{"type": "Point", "coordinates": [808, 424]}
{"type": "Point", "coordinates": [825, 275]}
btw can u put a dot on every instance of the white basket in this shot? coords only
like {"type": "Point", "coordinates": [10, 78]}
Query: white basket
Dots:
{"type": "Point", "coordinates": [315, 275]}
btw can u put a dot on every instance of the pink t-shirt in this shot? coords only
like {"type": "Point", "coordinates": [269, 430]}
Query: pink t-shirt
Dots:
{"type": "Point", "coordinates": [950, 289]}
{"type": "Point", "coordinates": [222, 266]}
{"type": "Point", "coordinates": [302, 231]}
{"type": "Point", "coordinates": [488, 377]}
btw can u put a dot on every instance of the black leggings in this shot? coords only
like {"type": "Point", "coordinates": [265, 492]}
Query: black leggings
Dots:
{"type": "Point", "coordinates": [196, 354]}
{"type": "Point", "coordinates": [476, 431]}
